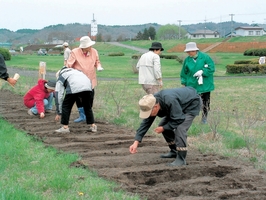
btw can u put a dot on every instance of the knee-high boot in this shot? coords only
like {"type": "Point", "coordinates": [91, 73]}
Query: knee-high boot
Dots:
{"type": "Point", "coordinates": [171, 154]}
{"type": "Point", "coordinates": [82, 116]}
{"type": "Point", "coordinates": [180, 159]}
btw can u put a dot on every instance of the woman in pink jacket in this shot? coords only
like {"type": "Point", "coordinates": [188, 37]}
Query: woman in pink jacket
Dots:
{"type": "Point", "coordinates": [85, 59]}
{"type": "Point", "coordinates": [40, 98]}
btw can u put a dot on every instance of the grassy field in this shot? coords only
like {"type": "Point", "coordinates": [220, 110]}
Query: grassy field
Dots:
{"type": "Point", "coordinates": [168, 44]}
{"type": "Point", "coordinates": [236, 125]}
{"type": "Point", "coordinates": [30, 171]}
{"type": "Point", "coordinates": [122, 66]}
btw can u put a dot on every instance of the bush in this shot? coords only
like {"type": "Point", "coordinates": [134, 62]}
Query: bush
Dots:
{"type": "Point", "coordinates": [180, 60]}
{"type": "Point", "coordinates": [5, 53]}
{"type": "Point", "coordinates": [253, 61]}
{"type": "Point", "coordinates": [255, 52]}
{"type": "Point", "coordinates": [116, 54]}
{"type": "Point", "coordinates": [242, 62]}
{"type": "Point", "coordinates": [135, 57]}
{"type": "Point", "coordinates": [169, 56]}
{"type": "Point", "coordinates": [262, 68]}
{"type": "Point", "coordinates": [245, 68]}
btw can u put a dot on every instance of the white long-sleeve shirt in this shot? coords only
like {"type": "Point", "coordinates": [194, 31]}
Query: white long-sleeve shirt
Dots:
{"type": "Point", "coordinates": [149, 67]}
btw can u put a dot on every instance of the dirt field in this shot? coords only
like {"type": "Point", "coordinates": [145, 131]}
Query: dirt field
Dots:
{"type": "Point", "coordinates": [205, 177]}
{"type": "Point", "coordinates": [224, 47]}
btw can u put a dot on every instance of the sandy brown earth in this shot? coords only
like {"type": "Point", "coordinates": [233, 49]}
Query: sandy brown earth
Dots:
{"type": "Point", "coordinates": [205, 176]}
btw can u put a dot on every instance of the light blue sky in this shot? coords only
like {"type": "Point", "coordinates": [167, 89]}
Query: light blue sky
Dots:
{"type": "Point", "coordinates": [37, 14]}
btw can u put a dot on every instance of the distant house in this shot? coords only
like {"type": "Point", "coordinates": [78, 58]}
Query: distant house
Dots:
{"type": "Point", "coordinates": [57, 41]}
{"type": "Point", "coordinates": [249, 31]}
{"type": "Point", "coordinates": [203, 34]}
{"type": "Point", "coordinates": [5, 44]}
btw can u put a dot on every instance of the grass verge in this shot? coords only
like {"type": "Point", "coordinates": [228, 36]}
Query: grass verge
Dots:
{"type": "Point", "coordinates": [29, 170]}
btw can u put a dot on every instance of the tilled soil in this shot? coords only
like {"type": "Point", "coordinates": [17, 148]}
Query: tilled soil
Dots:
{"type": "Point", "coordinates": [206, 176]}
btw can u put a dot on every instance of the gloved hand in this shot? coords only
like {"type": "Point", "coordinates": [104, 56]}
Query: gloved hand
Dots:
{"type": "Point", "coordinates": [198, 73]}
{"type": "Point", "coordinates": [99, 68]}
{"type": "Point", "coordinates": [200, 80]}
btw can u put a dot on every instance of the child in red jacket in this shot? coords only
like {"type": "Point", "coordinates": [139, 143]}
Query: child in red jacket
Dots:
{"type": "Point", "coordinates": [40, 98]}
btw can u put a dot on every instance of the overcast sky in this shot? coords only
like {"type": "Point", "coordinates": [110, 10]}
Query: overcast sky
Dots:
{"type": "Point", "coordinates": [37, 14]}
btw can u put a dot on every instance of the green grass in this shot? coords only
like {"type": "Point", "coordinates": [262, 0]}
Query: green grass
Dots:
{"type": "Point", "coordinates": [168, 44]}
{"type": "Point", "coordinates": [122, 66]}
{"type": "Point", "coordinates": [31, 171]}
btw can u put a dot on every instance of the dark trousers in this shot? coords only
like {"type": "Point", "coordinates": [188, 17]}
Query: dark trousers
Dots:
{"type": "Point", "coordinates": [178, 137]}
{"type": "Point", "coordinates": [79, 102]}
{"type": "Point", "coordinates": [69, 101]}
{"type": "Point", "coordinates": [206, 98]}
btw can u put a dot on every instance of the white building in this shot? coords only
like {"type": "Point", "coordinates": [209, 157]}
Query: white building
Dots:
{"type": "Point", "coordinates": [249, 31]}
{"type": "Point", "coordinates": [203, 34]}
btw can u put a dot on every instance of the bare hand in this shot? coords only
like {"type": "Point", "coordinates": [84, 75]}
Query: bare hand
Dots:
{"type": "Point", "coordinates": [133, 147]}
{"type": "Point", "coordinates": [57, 118]}
{"type": "Point", "coordinates": [42, 115]}
{"type": "Point", "coordinates": [159, 129]}
{"type": "Point", "coordinates": [12, 81]}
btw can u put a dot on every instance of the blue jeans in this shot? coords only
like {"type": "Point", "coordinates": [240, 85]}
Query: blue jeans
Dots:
{"type": "Point", "coordinates": [48, 104]}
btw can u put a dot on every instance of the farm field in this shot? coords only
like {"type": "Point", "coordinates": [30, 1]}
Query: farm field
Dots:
{"type": "Point", "coordinates": [207, 175]}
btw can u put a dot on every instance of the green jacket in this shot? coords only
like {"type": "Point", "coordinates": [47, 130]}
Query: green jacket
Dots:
{"type": "Point", "coordinates": [190, 67]}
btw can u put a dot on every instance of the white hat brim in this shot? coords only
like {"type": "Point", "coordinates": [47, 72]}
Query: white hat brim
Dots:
{"type": "Point", "coordinates": [195, 49]}
{"type": "Point", "coordinates": [87, 45]}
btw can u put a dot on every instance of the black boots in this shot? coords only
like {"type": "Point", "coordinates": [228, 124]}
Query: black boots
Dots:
{"type": "Point", "coordinates": [170, 154]}
{"type": "Point", "coordinates": [180, 159]}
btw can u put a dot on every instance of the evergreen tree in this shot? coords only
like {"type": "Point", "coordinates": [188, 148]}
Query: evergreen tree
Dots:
{"type": "Point", "coordinates": [146, 34]}
{"type": "Point", "coordinates": [139, 36]}
{"type": "Point", "coordinates": [152, 32]}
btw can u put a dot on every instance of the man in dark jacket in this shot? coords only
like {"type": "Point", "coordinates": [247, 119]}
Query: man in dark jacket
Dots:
{"type": "Point", "coordinates": [178, 107]}
{"type": "Point", "coordinates": [3, 72]}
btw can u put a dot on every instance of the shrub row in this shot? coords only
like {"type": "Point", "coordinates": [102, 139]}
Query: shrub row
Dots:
{"type": "Point", "coordinates": [136, 57]}
{"type": "Point", "coordinates": [169, 56]}
{"type": "Point", "coordinates": [253, 61]}
{"type": "Point", "coordinates": [5, 53]}
{"type": "Point", "coordinates": [161, 56]}
{"type": "Point", "coordinates": [116, 54]}
{"type": "Point", "coordinates": [246, 68]}
{"type": "Point", "coordinates": [255, 52]}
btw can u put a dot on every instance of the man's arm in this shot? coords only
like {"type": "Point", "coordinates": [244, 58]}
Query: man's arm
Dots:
{"type": "Point", "coordinates": [142, 130]}
{"type": "Point", "coordinates": [3, 72]}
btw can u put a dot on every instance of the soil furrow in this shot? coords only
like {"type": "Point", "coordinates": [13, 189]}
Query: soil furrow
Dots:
{"type": "Point", "coordinates": [206, 176]}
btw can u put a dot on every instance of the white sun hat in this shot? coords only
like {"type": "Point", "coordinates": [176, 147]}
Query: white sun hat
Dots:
{"type": "Point", "coordinates": [191, 46]}
{"type": "Point", "coordinates": [86, 42]}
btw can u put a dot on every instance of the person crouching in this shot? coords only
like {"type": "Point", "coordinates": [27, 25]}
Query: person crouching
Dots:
{"type": "Point", "coordinates": [74, 84]}
{"type": "Point", "coordinates": [39, 99]}
{"type": "Point", "coordinates": [177, 107]}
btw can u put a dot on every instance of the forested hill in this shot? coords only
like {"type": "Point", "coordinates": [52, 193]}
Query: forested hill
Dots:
{"type": "Point", "coordinates": [70, 32]}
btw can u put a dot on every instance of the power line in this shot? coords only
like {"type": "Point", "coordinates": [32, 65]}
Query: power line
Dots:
{"type": "Point", "coordinates": [215, 18]}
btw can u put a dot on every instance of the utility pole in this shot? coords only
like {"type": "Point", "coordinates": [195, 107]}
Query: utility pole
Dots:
{"type": "Point", "coordinates": [179, 36]}
{"type": "Point", "coordinates": [205, 27]}
{"type": "Point", "coordinates": [231, 24]}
